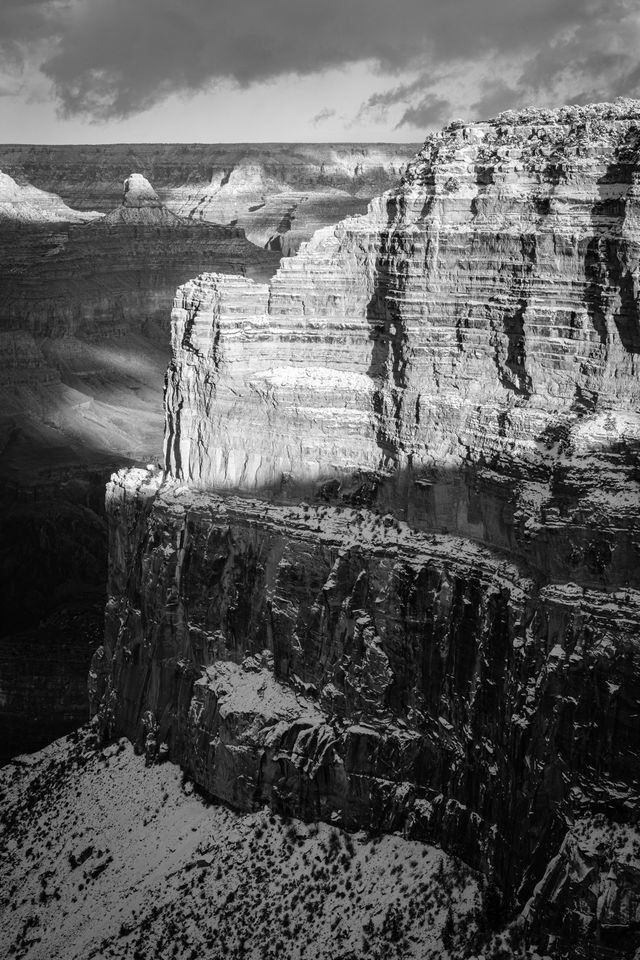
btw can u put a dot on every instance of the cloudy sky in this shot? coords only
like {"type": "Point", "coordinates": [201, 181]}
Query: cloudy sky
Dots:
{"type": "Point", "coordinates": [251, 70]}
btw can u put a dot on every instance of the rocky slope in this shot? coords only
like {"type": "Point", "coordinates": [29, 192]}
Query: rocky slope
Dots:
{"type": "Point", "coordinates": [84, 343]}
{"type": "Point", "coordinates": [104, 857]}
{"type": "Point", "coordinates": [390, 576]}
{"type": "Point", "coordinates": [24, 203]}
{"type": "Point", "coordinates": [278, 193]}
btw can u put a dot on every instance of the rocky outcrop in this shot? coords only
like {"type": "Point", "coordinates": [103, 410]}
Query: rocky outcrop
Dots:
{"type": "Point", "coordinates": [142, 206]}
{"type": "Point", "coordinates": [590, 893]}
{"type": "Point", "coordinates": [24, 203]}
{"type": "Point", "coordinates": [390, 576]}
{"type": "Point", "coordinates": [278, 193]}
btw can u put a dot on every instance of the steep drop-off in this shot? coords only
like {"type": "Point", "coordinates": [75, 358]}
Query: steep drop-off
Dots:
{"type": "Point", "coordinates": [390, 574]}
{"type": "Point", "coordinates": [279, 193]}
{"type": "Point", "coordinates": [84, 318]}
{"type": "Point", "coordinates": [84, 343]}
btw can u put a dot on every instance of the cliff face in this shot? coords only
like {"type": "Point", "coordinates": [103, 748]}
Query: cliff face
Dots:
{"type": "Point", "coordinates": [84, 333]}
{"type": "Point", "coordinates": [278, 193]}
{"type": "Point", "coordinates": [84, 344]}
{"type": "Point", "coordinates": [24, 203]}
{"type": "Point", "coordinates": [443, 635]}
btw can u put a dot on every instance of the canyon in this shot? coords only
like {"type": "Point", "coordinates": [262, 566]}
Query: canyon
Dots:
{"type": "Point", "coordinates": [278, 193]}
{"type": "Point", "coordinates": [84, 341]}
{"type": "Point", "coordinates": [386, 575]}
{"type": "Point", "coordinates": [87, 280]}
{"type": "Point", "coordinates": [382, 579]}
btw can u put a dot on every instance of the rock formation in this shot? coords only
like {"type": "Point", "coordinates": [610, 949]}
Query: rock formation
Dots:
{"type": "Point", "coordinates": [24, 203]}
{"type": "Point", "coordinates": [390, 574]}
{"type": "Point", "coordinates": [278, 193]}
{"type": "Point", "coordinates": [83, 311]}
{"type": "Point", "coordinates": [84, 343]}
{"type": "Point", "coordinates": [141, 205]}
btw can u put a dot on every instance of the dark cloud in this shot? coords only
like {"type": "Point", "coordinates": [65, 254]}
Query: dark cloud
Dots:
{"type": "Point", "coordinates": [599, 48]}
{"type": "Point", "coordinates": [379, 103]}
{"type": "Point", "coordinates": [23, 22]}
{"type": "Point", "coordinates": [497, 95]}
{"type": "Point", "coordinates": [113, 58]}
{"type": "Point", "coordinates": [431, 111]}
{"type": "Point", "coordinates": [574, 54]}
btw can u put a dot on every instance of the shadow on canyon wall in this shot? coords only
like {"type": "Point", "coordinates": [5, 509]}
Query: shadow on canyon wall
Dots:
{"type": "Point", "coordinates": [612, 263]}
{"type": "Point", "coordinates": [84, 344]}
{"type": "Point", "coordinates": [53, 568]}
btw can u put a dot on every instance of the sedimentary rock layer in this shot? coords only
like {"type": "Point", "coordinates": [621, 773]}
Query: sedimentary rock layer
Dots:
{"type": "Point", "coordinates": [341, 664]}
{"type": "Point", "coordinates": [24, 203]}
{"type": "Point", "coordinates": [84, 344]}
{"type": "Point", "coordinates": [83, 311]}
{"type": "Point", "coordinates": [447, 639]}
{"type": "Point", "coordinates": [279, 193]}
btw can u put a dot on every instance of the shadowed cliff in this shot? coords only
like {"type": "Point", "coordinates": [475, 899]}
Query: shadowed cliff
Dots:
{"type": "Point", "coordinates": [84, 343]}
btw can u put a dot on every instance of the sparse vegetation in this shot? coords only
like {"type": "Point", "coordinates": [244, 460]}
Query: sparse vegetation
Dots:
{"type": "Point", "coordinates": [202, 881]}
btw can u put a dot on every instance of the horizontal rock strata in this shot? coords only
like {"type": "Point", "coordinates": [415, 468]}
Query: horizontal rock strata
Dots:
{"type": "Point", "coordinates": [400, 511]}
{"type": "Point", "coordinates": [23, 203]}
{"type": "Point", "coordinates": [278, 193]}
{"type": "Point", "coordinates": [84, 344]}
{"type": "Point", "coordinates": [83, 325]}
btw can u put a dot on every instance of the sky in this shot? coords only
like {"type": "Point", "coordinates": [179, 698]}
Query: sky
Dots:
{"type": "Point", "coordinates": [100, 71]}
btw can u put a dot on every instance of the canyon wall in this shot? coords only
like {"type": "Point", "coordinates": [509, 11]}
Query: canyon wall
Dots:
{"type": "Point", "coordinates": [84, 320]}
{"type": "Point", "coordinates": [389, 573]}
{"type": "Point", "coordinates": [278, 193]}
{"type": "Point", "coordinates": [84, 344]}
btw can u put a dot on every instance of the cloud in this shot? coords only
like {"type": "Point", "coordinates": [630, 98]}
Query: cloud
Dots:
{"type": "Point", "coordinates": [575, 53]}
{"type": "Point", "coordinates": [114, 58]}
{"type": "Point", "coordinates": [428, 112]}
{"type": "Point", "coordinates": [322, 116]}
{"type": "Point", "coordinates": [379, 103]}
{"type": "Point", "coordinates": [497, 95]}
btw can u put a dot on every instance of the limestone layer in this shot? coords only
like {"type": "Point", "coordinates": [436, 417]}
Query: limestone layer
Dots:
{"type": "Point", "coordinates": [447, 639]}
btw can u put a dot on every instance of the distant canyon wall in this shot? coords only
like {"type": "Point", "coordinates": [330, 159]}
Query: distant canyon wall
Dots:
{"type": "Point", "coordinates": [84, 343]}
{"type": "Point", "coordinates": [278, 193]}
